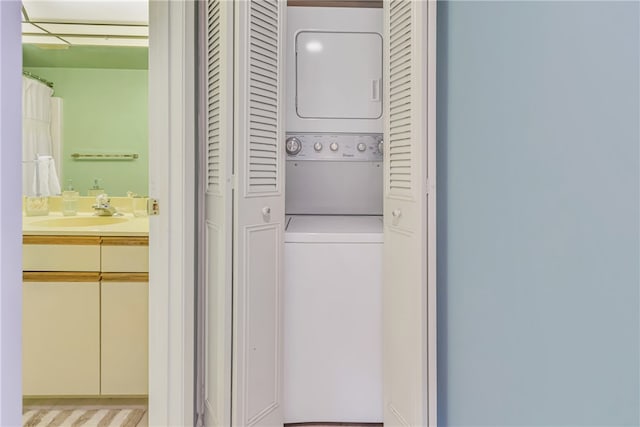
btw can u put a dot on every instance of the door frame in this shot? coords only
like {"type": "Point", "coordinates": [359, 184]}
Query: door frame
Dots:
{"type": "Point", "coordinates": [172, 180]}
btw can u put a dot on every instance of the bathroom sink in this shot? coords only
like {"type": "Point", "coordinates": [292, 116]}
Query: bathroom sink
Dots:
{"type": "Point", "coordinates": [82, 221]}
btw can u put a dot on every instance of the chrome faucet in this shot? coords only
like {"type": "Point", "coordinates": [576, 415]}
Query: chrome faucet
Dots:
{"type": "Point", "coordinates": [103, 206]}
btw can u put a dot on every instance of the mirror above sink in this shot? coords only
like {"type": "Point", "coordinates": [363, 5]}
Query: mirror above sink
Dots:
{"type": "Point", "coordinates": [96, 58]}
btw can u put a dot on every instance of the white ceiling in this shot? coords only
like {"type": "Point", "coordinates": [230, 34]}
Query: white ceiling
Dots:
{"type": "Point", "coordinates": [86, 22]}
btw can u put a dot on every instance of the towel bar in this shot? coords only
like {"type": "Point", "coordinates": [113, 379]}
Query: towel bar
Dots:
{"type": "Point", "coordinates": [105, 156]}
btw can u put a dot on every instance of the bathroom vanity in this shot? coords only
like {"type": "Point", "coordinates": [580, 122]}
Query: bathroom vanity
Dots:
{"type": "Point", "coordinates": [85, 306]}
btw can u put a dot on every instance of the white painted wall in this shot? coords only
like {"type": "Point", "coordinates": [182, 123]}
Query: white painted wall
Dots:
{"type": "Point", "coordinates": [10, 214]}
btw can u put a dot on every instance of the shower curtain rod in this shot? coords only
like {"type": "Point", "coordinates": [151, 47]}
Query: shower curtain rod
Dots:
{"type": "Point", "coordinates": [40, 79]}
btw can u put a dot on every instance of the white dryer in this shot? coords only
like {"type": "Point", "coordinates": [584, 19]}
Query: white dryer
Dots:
{"type": "Point", "coordinates": [333, 279]}
{"type": "Point", "coordinates": [334, 69]}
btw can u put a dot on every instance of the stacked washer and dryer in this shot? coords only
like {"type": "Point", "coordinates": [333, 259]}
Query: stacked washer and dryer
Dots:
{"type": "Point", "coordinates": [333, 239]}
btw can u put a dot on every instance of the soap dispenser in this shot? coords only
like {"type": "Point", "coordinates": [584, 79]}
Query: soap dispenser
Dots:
{"type": "Point", "coordinates": [95, 190]}
{"type": "Point", "coordinates": [69, 200]}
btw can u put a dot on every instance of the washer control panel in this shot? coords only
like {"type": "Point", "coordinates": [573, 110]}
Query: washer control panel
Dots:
{"type": "Point", "coordinates": [335, 147]}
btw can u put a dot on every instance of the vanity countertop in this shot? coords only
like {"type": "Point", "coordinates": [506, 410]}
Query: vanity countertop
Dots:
{"type": "Point", "coordinates": [85, 224]}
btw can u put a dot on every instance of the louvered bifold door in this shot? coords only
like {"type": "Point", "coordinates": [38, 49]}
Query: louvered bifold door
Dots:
{"type": "Point", "coordinates": [409, 214]}
{"type": "Point", "coordinates": [259, 213]}
{"type": "Point", "coordinates": [217, 130]}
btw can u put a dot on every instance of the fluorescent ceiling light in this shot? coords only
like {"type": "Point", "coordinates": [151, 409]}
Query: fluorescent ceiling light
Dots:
{"type": "Point", "coordinates": [88, 11]}
{"type": "Point", "coordinates": [86, 22]}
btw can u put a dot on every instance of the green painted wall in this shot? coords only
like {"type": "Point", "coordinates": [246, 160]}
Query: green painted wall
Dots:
{"type": "Point", "coordinates": [104, 111]}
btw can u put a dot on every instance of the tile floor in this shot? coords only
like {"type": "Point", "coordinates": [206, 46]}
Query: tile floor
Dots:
{"type": "Point", "coordinates": [92, 403]}
{"type": "Point", "coordinates": [88, 403]}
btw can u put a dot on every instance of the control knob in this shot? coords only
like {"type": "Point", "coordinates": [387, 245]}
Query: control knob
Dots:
{"type": "Point", "coordinates": [362, 147]}
{"type": "Point", "coordinates": [334, 146]}
{"type": "Point", "coordinates": [381, 147]}
{"type": "Point", "coordinates": [293, 146]}
{"type": "Point", "coordinates": [317, 146]}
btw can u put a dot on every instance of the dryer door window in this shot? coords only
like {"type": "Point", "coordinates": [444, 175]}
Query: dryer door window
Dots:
{"type": "Point", "coordinates": [338, 75]}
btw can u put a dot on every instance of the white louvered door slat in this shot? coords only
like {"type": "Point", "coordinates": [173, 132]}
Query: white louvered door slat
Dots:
{"type": "Point", "coordinates": [217, 105]}
{"type": "Point", "coordinates": [259, 213]}
{"type": "Point", "coordinates": [409, 214]}
{"type": "Point", "coordinates": [400, 161]}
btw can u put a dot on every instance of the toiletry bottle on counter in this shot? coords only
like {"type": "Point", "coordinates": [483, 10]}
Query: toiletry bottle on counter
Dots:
{"type": "Point", "coordinates": [70, 200]}
{"type": "Point", "coordinates": [95, 190]}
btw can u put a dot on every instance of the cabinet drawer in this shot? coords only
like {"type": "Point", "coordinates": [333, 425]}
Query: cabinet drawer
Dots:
{"type": "Point", "coordinates": [61, 257]}
{"type": "Point", "coordinates": [128, 254]}
{"type": "Point", "coordinates": [61, 337]}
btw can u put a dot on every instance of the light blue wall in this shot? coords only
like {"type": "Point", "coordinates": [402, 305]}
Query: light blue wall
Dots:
{"type": "Point", "coordinates": [538, 192]}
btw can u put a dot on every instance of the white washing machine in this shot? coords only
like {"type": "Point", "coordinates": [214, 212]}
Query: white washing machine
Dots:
{"type": "Point", "coordinates": [333, 319]}
{"type": "Point", "coordinates": [333, 279]}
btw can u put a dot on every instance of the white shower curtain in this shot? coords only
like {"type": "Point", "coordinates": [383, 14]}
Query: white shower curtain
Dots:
{"type": "Point", "coordinates": [36, 140]}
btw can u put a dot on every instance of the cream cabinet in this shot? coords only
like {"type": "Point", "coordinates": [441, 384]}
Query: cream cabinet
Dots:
{"type": "Point", "coordinates": [124, 336]}
{"type": "Point", "coordinates": [124, 254]}
{"type": "Point", "coordinates": [61, 335]}
{"type": "Point", "coordinates": [124, 316]}
{"type": "Point", "coordinates": [85, 331]}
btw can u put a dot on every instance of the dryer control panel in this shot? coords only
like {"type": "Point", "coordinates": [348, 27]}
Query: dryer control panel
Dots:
{"type": "Point", "coordinates": [335, 147]}
{"type": "Point", "coordinates": [334, 174]}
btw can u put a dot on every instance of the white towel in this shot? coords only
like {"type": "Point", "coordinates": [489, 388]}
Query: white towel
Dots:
{"type": "Point", "coordinates": [36, 140]}
{"type": "Point", "coordinates": [45, 178]}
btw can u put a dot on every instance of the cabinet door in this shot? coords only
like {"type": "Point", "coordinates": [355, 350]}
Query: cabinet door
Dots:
{"type": "Point", "coordinates": [124, 333]}
{"type": "Point", "coordinates": [332, 81]}
{"type": "Point", "coordinates": [61, 330]}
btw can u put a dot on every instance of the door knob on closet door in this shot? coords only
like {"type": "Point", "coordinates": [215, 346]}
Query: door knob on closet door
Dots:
{"type": "Point", "coordinates": [266, 211]}
{"type": "Point", "coordinates": [395, 216]}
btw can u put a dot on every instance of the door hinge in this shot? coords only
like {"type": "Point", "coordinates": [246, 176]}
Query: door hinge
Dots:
{"type": "Point", "coordinates": [430, 187]}
{"type": "Point", "coordinates": [153, 207]}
